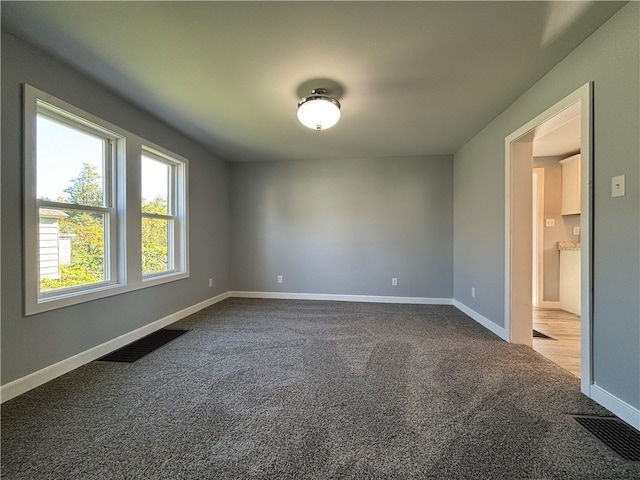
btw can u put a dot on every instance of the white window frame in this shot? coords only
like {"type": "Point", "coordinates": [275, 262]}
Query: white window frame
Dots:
{"type": "Point", "coordinates": [121, 206]}
{"type": "Point", "coordinates": [176, 210]}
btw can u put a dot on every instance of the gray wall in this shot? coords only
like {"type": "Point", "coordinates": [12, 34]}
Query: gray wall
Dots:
{"type": "Point", "coordinates": [609, 58]}
{"type": "Point", "coordinates": [34, 342]}
{"type": "Point", "coordinates": [344, 227]}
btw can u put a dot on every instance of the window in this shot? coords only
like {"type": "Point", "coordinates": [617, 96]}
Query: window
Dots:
{"type": "Point", "coordinates": [162, 232]}
{"type": "Point", "coordinates": [81, 242]}
{"type": "Point", "coordinates": [75, 165]}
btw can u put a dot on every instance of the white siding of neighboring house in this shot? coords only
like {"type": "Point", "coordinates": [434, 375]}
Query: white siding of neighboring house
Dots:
{"type": "Point", "coordinates": [49, 258]}
{"type": "Point", "coordinates": [49, 240]}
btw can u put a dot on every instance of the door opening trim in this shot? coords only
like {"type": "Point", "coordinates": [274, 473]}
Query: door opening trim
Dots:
{"type": "Point", "coordinates": [518, 269]}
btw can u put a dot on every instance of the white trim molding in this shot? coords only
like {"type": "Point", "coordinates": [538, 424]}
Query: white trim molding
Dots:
{"type": "Point", "coordinates": [517, 296]}
{"type": "Point", "coordinates": [40, 377]}
{"type": "Point", "coordinates": [482, 320]}
{"type": "Point", "coordinates": [621, 409]}
{"type": "Point", "coordinates": [342, 298]}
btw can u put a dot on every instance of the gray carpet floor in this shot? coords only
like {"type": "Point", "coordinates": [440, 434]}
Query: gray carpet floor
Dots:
{"type": "Point", "coordinates": [274, 389]}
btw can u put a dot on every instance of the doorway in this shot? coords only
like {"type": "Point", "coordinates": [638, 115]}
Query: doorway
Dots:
{"type": "Point", "coordinates": [555, 293]}
{"type": "Point", "coordinates": [519, 244]}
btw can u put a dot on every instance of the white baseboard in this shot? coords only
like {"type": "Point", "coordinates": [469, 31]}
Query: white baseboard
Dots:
{"type": "Point", "coordinates": [482, 320]}
{"type": "Point", "coordinates": [621, 409]}
{"type": "Point", "coordinates": [35, 379]}
{"type": "Point", "coordinates": [552, 305]}
{"type": "Point", "coordinates": [342, 298]}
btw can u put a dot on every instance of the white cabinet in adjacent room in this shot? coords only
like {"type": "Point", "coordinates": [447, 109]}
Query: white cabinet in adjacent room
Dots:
{"type": "Point", "coordinates": [570, 276]}
{"type": "Point", "coordinates": [570, 185]}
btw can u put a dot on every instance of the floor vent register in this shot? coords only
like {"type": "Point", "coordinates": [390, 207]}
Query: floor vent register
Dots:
{"type": "Point", "coordinates": [615, 434]}
{"type": "Point", "coordinates": [138, 349]}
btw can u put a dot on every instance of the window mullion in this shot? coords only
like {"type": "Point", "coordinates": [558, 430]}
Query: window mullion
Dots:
{"type": "Point", "coordinates": [75, 206]}
{"type": "Point", "coordinates": [109, 161]}
{"type": "Point", "coordinates": [159, 216]}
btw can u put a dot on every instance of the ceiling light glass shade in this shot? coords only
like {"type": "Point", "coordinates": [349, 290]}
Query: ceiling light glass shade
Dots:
{"type": "Point", "coordinates": [318, 111]}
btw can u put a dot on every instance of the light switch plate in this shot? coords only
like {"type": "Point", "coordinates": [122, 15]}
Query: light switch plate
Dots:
{"type": "Point", "coordinates": [617, 186]}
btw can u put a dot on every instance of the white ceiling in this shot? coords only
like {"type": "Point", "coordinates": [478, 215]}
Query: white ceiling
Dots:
{"type": "Point", "coordinates": [414, 78]}
{"type": "Point", "coordinates": [560, 135]}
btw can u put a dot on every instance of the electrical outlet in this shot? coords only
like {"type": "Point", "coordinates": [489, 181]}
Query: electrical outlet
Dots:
{"type": "Point", "coordinates": [279, 278]}
{"type": "Point", "coordinates": [550, 222]}
{"type": "Point", "coordinates": [394, 282]}
{"type": "Point", "coordinates": [211, 282]}
{"type": "Point", "coordinates": [618, 186]}
{"type": "Point", "coordinates": [473, 292]}
{"type": "Point", "coordinates": [576, 231]}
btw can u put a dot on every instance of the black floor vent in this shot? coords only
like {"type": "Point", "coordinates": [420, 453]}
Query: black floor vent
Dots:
{"type": "Point", "coordinates": [537, 334]}
{"type": "Point", "coordinates": [138, 349]}
{"type": "Point", "coordinates": [615, 434]}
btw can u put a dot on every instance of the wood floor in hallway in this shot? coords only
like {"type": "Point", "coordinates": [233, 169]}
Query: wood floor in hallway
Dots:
{"type": "Point", "coordinates": [563, 347]}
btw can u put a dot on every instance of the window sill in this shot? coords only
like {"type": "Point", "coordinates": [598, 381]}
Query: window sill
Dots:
{"type": "Point", "coordinates": [68, 299]}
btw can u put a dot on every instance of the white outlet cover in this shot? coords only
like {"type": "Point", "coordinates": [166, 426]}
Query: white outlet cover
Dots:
{"type": "Point", "coordinates": [618, 186]}
{"type": "Point", "coordinates": [550, 222]}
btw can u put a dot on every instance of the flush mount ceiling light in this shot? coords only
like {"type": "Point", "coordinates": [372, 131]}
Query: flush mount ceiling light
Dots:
{"type": "Point", "coordinates": [318, 111]}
